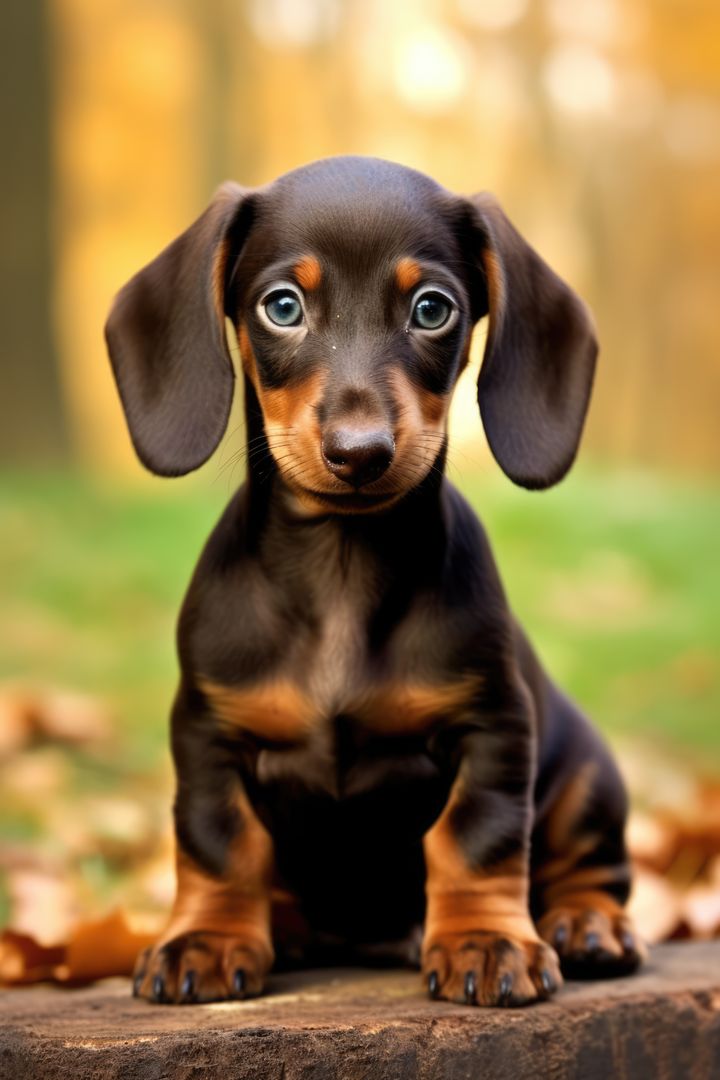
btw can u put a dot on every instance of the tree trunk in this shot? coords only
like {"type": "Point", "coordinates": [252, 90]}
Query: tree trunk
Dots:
{"type": "Point", "coordinates": [32, 427]}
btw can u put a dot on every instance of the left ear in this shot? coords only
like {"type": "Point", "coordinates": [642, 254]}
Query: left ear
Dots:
{"type": "Point", "coordinates": [537, 373]}
{"type": "Point", "coordinates": [166, 339]}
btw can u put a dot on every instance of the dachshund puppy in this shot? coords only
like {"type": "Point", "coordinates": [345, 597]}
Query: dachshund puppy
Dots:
{"type": "Point", "coordinates": [370, 761]}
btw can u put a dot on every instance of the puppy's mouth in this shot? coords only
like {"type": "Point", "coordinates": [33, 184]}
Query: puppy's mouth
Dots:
{"type": "Point", "coordinates": [353, 501]}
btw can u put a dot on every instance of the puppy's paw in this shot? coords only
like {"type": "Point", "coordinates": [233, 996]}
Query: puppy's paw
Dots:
{"type": "Point", "coordinates": [488, 969]}
{"type": "Point", "coordinates": [592, 944]}
{"type": "Point", "coordinates": [199, 967]}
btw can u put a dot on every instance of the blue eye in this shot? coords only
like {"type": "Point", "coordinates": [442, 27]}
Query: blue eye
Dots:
{"type": "Point", "coordinates": [283, 308]}
{"type": "Point", "coordinates": [431, 311]}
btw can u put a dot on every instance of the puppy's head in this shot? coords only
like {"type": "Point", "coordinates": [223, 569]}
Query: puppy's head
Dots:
{"type": "Point", "coordinates": [354, 286]}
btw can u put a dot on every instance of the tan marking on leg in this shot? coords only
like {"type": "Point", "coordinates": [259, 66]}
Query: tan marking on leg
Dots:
{"type": "Point", "coordinates": [464, 900]}
{"type": "Point", "coordinates": [557, 868]}
{"type": "Point", "coordinates": [276, 710]}
{"type": "Point", "coordinates": [480, 945]}
{"type": "Point", "coordinates": [237, 903]}
{"type": "Point", "coordinates": [568, 808]}
{"type": "Point", "coordinates": [567, 844]}
{"type": "Point", "coordinates": [407, 274]}
{"type": "Point", "coordinates": [584, 888]}
{"type": "Point", "coordinates": [308, 273]}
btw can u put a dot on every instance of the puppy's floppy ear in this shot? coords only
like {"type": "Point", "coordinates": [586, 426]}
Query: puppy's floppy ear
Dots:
{"type": "Point", "coordinates": [537, 373]}
{"type": "Point", "coordinates": [166, 339]}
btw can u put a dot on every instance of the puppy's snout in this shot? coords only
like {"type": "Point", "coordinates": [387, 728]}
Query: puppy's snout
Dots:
{"type": "Point", "coordinates": [358, 455]}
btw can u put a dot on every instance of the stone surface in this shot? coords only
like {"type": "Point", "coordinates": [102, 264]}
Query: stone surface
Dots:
{"type": "Point", "coordinates": [368, 1025]}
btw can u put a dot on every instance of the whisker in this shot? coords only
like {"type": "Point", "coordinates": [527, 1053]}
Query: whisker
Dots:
{"type": "Point", "coordinates": [252, 454]}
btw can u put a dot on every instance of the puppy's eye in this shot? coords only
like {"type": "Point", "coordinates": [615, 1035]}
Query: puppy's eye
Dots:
{"type": "Point", "coordinates": [431, 311]}
{"type": "Point", "coordinates": [283, 308]}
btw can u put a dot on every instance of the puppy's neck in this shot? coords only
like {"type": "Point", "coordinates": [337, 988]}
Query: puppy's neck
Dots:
{"type": "Point", "coordinates": [408, 538]}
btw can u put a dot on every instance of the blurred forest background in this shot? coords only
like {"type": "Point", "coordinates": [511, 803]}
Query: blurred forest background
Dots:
{"type": "Point", "coordinates": [597, 124]}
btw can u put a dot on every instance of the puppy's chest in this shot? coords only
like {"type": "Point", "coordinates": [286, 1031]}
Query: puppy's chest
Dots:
{"type": "Point", "coordinates": [331, 666]}
{"type": "Point", "coordinates": [359, 720]}
{"type": "Point", "coordinates": [351, 707]}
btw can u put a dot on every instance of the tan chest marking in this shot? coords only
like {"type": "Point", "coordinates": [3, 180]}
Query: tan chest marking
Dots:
{"type": "Point", "coordinates": [276, 710]}
{"type": "Point", "coordinates": [407, 707]}
{"type": "Point", "coordinates": [280, 710]}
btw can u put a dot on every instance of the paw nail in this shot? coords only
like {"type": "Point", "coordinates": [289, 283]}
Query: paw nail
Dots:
{"type": "Point", "coordinates": [137, 983]}
{"type": "Point", "coordinates": [560, 937]}
{"type": "Point", "coordinates": [158, 988]}
{"type": "Point", "coordinates": [546, 981]}
{"type": "Point", "coordinates": [433, 984]}
{"type": "Point", "coordinates": [592, 941]}
{"type": "Point", "coordinates": [239, 981]}
{"type": "Point", "coordinates": [470, 988]}
{"type": "Point", "coordinates": [187, 990]}
{"type": "Point", "coordinates": [506, 984]}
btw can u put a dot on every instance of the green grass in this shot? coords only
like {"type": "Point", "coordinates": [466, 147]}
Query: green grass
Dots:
{"type": "Point", "coordinates": [615, 576]}
{"type": "Point", "coordinates": [617, 579]}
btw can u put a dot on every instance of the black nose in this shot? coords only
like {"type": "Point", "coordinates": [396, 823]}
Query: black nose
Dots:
{"type": "Point", "coordinates": [358, 455]}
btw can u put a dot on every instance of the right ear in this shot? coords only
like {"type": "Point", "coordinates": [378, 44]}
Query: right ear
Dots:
{"type": "Point", "coordinates": [167, 344]}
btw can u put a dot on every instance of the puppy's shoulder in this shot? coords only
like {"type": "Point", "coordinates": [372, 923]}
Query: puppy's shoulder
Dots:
{"type": "Point", "coordinates": [470, 560]}
{"type": "Point", "coordinates": [227, 620]}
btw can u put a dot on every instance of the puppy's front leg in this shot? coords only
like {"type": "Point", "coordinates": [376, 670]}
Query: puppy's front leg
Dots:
{"type": "Point", "coordinates": [218, 942]}
{"type": "Point", "coordinates": [480, 945]}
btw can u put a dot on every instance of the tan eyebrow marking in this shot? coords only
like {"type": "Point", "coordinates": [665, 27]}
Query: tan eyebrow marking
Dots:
{"type": "Point", "coordinates": [308, 272]}
{"type": "Point", "coordinates": [407, 273]}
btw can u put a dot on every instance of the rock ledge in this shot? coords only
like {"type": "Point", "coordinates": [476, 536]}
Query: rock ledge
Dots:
{"type": "Point", "coordinates": [369, 1025]}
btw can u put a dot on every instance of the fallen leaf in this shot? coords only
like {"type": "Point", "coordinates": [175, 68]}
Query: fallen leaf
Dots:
{"type": "Point", "coordinates": [15, 723]}
{"type": "Point", "coordinates": [42, 903]}
{"type": "Point", "coordinates": [651, 840]}
{"type": "Point", "coordinates": [701, 910]}
{"type": "Point", "coordinates": [23, 960]}
{"type": "Point", "coordinates": [107, 947]}
{"type": "Point", "coordinates": [95, 950]}
{"type": "Point", "coordinates": [27, 714]}
{"type": "Point", "coordinates": [71, 717]}
{"type": "Point", "coordinates": [654, 905]}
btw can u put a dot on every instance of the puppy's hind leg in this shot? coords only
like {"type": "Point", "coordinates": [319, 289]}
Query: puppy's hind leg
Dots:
{"type": "Point", "coordinates": [581, 872]}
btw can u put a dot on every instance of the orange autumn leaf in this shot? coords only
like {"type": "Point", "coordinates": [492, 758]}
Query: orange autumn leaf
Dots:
{"type": "Point", "coordinates": [95, 950]}
{"type": "Point", "coordinates": [98, 949]}
{"type": "Point", "coordinates": [655, 905]}
{"type": "Point", "coordinates": [23, 960]}
{"type": "Point", "coordinates": [60, 716]}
